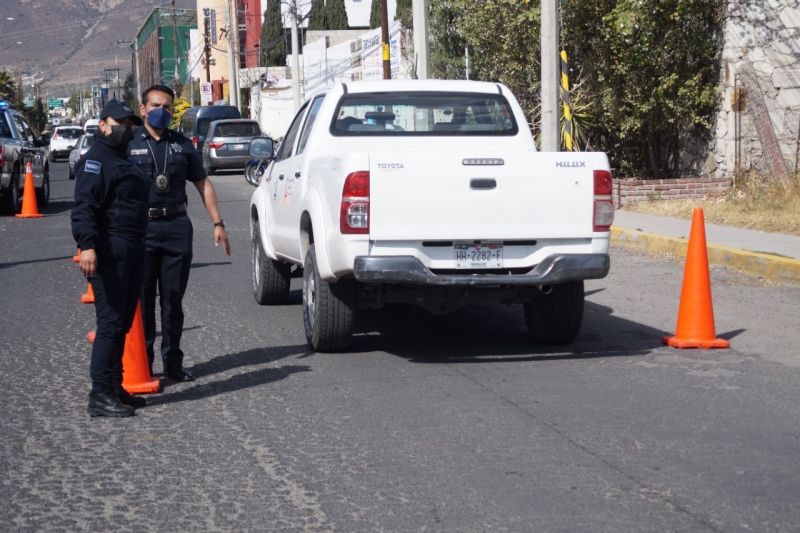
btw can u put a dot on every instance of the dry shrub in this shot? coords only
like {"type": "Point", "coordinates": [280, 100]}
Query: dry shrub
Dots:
{"type": "Point", "coordinates": [755, 202]}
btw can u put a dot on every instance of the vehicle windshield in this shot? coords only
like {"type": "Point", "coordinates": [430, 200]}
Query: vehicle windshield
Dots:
{"type": "Point", "coordinates": [237, 129]}
{"type": "Point", "coordinates": [92, 129]}
{"type": "Point", "coordinates": [423, 114]}
{"type": "Point", "coordinates": [70, 133]}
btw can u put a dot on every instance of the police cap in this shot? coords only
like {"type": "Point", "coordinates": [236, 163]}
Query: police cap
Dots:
{"type": "Point", "coordinates": [118, 111]}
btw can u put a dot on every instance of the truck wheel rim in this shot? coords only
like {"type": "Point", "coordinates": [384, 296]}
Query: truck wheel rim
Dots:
{"type": "Point", "coordinates": [310, 294]}
{"type": "Point", "coordinates": [256, 263]}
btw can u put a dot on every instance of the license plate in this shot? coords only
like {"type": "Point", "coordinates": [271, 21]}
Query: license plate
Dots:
{"type": "Point", "coordinates": [238, 147]}
{"type": "Point", "coordinates": [485, 254]}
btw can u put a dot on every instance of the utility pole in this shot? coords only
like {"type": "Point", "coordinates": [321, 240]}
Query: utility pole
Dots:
{"type": "Point", "coordinates": [207, 42]}
{"type": "Point", "coordinates": [232, 96]}
{"type": "Point", "coordinates": [420, 21]}
{"type": "Point", "coordinates": [175, 80]}
{"type": "Point", "coordinates": [235, 44]}
{"type": "Point", "coordinates": [387, 67]}
{"type": "Point", "coordinates": [550, 76]}
{"type": "Point", "coordinates": [295, 56]}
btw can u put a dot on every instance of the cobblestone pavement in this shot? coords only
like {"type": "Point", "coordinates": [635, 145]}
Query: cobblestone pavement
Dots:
{"type": "Point", "coordinates": [452, 423]}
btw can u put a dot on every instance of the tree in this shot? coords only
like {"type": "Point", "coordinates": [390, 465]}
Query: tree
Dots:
{"type": "Point", "coordinates": [273, 37]}
{"type": "Point", "coordinates": [646, 70]}
{"type": "Point", "coordinates": [8, 88]}
{"type": "Point", "coordinates": [129, 95]}
{"type": "Point", "coordinates": [375, 14]}
{"type": "Point", "coordinates": [316, 16]}
{"type": "Point", "coordinates": [335, 15]}
{"type": "Point", "coordinates": [447, 44]}
{"type": "Point", "coordinates": [179, 107]}
{"type": "Point", "coordinates": [404, 13]}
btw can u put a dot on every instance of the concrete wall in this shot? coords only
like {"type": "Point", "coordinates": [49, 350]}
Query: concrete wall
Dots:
{"type": "Point", "coordinates": [763, 36]}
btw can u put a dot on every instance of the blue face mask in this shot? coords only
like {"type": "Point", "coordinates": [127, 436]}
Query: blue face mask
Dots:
{"type": "Point", "coordinates": [159, 118]}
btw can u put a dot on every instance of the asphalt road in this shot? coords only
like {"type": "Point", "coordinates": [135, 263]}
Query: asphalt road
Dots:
{"type": "Point", "coordinates": [452, 423]}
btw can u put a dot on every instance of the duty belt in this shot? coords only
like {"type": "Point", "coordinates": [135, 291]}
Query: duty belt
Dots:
{"type": "Point", "coordinates": [167, 211]}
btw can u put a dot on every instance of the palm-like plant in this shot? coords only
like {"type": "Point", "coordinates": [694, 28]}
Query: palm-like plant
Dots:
{"type": "Point", "coordinates": [8, 89]}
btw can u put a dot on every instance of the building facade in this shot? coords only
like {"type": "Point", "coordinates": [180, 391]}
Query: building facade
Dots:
{"type": "Point", "coordinates": [163, 45]}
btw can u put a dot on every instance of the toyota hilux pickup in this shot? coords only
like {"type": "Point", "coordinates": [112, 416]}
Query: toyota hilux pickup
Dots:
{"type": "Point", "coordinates": [19, 145]}
{"type": "Point", "coordinates": [430, 193]}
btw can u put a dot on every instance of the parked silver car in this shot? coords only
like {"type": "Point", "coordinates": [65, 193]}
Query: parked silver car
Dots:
{"type": "Point", "coordinates": [228, 143]}
{"type": "Point", "coordinates": [84, 143]}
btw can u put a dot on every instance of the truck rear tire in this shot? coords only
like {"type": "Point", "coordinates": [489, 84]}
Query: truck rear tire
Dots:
{"type": "Point", "coordinates": [555, 317]}
{"type": "Point", "coordinates": [10, 202]}
{"type": "Point", "coordinates": [270, 278]}
{"type": "Point", "coordinates": [327, 309]}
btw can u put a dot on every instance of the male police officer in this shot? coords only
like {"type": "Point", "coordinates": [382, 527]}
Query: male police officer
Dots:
{"type": "Point", "coordinates": [108, 222]}
{"type": "Point", "coordinates": [169, 160]}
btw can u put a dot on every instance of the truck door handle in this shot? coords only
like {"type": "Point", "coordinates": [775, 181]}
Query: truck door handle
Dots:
{"type": "Point", "coordinates": [280, 176]}
{"type": "Point", "coordinates": [297, 174]}
{"type": "Point", "coordinates": [483, 184]}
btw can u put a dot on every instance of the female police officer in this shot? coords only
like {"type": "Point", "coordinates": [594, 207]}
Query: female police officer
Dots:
{"type": "Point", "coordinates": [109, 220]}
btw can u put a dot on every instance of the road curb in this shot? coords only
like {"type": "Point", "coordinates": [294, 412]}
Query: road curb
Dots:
{"type": "Point", "coordinates": [767, 266]}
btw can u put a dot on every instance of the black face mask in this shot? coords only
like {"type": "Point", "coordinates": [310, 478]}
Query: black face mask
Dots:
{"type": "Point", "coordinates": [121, 135]}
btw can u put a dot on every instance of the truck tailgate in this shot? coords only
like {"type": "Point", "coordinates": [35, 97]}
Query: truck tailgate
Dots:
{"type": "Point", "coordinates": [447, 196]}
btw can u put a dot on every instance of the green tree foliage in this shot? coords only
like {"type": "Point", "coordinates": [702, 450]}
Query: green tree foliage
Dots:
{"type": "Point", "coordinates": [316, 16]}
{"type": "Point", "coordinates": [8, 88]}
{"type": "Point", "coordinates": [647, 70]}
{"type": "Point", "coordinates": [335, 15]}
{"type": "Point", "coordinates": [375, 14]}
{"type": "Point", "coordinates": [273, 38]}
{"type": "Point", "coordinates": [447, 44]}
{"type": "Point", "coordinates": [404, 13]}
{"type": "Point", "coordinates": [129, 92]}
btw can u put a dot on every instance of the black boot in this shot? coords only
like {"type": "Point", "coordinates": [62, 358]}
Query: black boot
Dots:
{"type": "Point", "coordinates": [134, 401]}
{"type": "Point", "coordinates": [102, 404]}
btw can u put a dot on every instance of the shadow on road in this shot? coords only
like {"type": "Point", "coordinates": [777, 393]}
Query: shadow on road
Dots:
{"type": "Point", "coordinates": [231, 384]}
{"type": "Point", "coordinates": [32, 261]}
{"type": "Point", "coordinates": [495, 333]}
{"type": "Point", "coordinates": [58, 206]}
{"type": "Point", "coordinates": [216, 263]}
{"type": "Point", "coordinates": [257, 356]}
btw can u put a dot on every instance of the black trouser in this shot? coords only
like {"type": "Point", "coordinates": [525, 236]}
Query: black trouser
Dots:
{"type": "Point", "coordinates": [116, 284]}
{"type": "Point", "coordinates": [168, 256]}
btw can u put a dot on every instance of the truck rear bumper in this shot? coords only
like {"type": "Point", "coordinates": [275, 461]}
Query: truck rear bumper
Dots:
{"type": "Point", "coordinates": [408, 270]}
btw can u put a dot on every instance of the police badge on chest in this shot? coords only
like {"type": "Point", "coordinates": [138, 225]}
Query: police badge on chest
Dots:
{"type": "Point", "coordinates": [162, 183]}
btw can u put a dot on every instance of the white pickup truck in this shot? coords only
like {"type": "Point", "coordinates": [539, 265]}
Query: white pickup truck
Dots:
{"type": "Point", "coordinates": [430, 193]}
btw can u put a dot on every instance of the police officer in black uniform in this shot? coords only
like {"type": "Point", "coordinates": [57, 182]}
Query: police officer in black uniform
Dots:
{"type": "Point", "coordinates": [169, 160]}
{"type": "Point", "coordinates": [109, 220]}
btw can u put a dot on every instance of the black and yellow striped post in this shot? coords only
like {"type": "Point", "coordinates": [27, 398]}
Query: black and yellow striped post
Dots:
{"type": "Point", "coordinates": [566, 100]}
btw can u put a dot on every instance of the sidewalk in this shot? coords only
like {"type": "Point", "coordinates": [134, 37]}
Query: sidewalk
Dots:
{"type": "Point", "coordinates": [773, 256]}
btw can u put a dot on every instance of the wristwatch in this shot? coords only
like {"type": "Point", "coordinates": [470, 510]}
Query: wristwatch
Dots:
{"type": "Point", "coordinates": [219, 224]}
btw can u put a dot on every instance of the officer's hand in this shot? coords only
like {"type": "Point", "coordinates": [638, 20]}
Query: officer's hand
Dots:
{"type": "Point", "coordinates": [221, 237]}
{"type": "Point", "coordinates": [88, 262]}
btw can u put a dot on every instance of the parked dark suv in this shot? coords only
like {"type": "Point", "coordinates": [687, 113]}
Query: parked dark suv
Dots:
{"type": "Point", "coordinates": [196, 120]}
{"type": "Point", "coordinates": [19, 145]}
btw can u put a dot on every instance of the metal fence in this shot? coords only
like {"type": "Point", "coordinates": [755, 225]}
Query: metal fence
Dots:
{"type": "Point", "coordinates": [767, 124]}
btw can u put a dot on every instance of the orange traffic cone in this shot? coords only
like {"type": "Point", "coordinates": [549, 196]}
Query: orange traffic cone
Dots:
{"type": "Point", "coordinates": [136, 378]}
{"type": "Point", "coordinates": [88, 296]}
{"type": "Point", "coordinates": [29, 207]}
{"type": "Point", "coordinates": [695, 327]}
{"type": "Point", "coordinates": [77, 257]}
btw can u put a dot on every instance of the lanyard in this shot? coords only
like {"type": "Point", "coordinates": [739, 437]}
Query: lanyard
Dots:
{"type": "Point", "coordinates": [153, 155]}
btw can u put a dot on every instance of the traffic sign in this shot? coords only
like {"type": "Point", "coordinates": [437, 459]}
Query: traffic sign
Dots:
{"type": "Point", "coordinates": [205, 93]}
{"type": "Point", "coordinates": [52, 103]}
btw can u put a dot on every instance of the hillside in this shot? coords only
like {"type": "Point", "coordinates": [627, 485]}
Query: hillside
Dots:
{"type": "Point", "coordinates": [67, 43]}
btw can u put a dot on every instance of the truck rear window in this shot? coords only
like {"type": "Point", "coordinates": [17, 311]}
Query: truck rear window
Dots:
{"type": "Point", "coordinates": [423, 114]}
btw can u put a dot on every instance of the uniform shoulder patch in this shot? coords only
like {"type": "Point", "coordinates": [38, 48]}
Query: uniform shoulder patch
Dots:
{"type": "Point", "coordinates": [139, 151]}
{"type": "Point", "coordinates": [92, 166]}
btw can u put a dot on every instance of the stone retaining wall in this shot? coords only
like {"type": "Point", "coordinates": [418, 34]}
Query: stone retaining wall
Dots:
{"type": "Point", "coordinates": [628, 191]}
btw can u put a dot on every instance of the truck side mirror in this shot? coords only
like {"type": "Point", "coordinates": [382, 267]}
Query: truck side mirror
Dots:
{"type": "Point", "coordinates": [262, 147]}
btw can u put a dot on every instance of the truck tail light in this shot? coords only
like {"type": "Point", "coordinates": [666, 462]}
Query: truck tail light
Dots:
{"type": "Point", "coordinates": [195, 141]}
{"type": "Point", "coordinates": [354, 212]}
{"type": "Point", "coordinates": [603, 205]}
{"type": "Point", "coordinates": [215, 145]}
